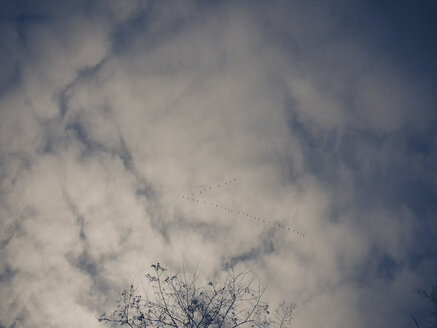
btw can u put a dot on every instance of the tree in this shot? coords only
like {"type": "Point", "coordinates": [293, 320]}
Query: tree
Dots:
{"type": "Point", "coordinates": [231, 300]}
{"type": "Point", "coordinates": [432, 298]}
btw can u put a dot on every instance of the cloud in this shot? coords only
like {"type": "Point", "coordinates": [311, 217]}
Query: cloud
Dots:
{"type": "Point", "coordinates": [110, 113]}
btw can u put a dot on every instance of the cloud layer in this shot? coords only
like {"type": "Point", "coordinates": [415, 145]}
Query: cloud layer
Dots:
{"type": "Point", "coordinates": [111, 112]}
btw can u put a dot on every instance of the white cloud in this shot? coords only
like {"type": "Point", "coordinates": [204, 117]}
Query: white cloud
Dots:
{"type": "Point", "coordinates": [100, 141]}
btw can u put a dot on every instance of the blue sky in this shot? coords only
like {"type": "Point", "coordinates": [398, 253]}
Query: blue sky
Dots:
{"type": "Point", "coordinates": [322, 112]}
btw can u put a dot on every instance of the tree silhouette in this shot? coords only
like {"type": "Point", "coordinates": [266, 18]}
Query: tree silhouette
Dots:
{"type": "Point", "coordinates": [230, 300]}
{"type": "Point", "coordinates": [432, 298]}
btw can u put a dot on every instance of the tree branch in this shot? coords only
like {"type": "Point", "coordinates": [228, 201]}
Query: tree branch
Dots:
{"type": "Point", "coordinates": [415, 321]}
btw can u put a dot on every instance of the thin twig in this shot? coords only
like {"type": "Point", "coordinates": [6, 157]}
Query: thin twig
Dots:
{"type": "Point", "coordinates": [415, 321]}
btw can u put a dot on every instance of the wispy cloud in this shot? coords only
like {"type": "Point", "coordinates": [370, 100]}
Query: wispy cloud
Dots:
{"type": "Point", "coordinates": [110, 113]}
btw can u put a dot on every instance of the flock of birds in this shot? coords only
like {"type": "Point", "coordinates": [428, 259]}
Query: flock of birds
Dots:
{"type": "Point", "coordinates": [195, 198]}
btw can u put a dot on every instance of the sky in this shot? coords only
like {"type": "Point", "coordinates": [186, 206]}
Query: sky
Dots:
{"type": "Point", "coordinates": [315, 117]}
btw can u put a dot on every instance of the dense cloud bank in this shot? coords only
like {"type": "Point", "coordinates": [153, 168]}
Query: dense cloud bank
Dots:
{"type": "Point", "coordinates": [323, 112]}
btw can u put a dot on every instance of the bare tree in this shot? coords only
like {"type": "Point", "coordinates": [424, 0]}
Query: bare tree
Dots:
{"type": "Point", "coordinates": [432, 298]}
{"type": "Point", "coordinates": [231, 300]}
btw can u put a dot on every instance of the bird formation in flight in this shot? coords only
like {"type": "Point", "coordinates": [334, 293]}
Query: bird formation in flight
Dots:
{"type": "Point", "coordinates": [194, 197]}
{"type": "Point", "coordinates": [214, 187]}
